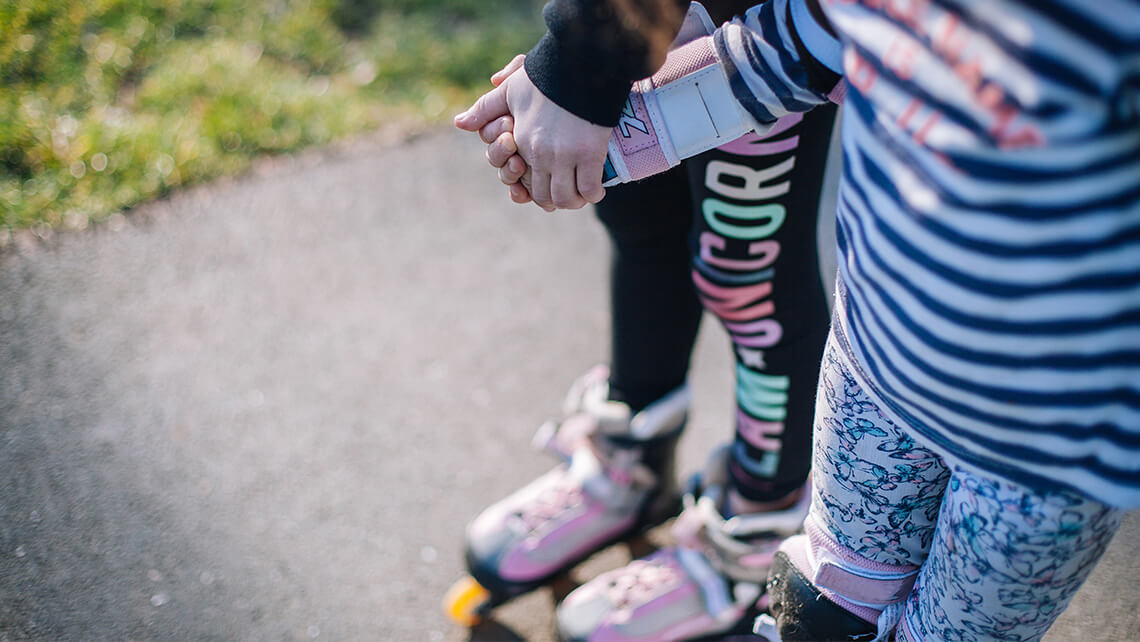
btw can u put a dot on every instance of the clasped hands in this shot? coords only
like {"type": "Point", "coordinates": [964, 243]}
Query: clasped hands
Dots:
{"type": "Point", "coordinates": [543, 153]}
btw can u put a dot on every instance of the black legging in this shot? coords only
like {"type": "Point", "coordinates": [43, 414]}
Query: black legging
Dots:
{"type": "Point", "coordinates": [733, 223]}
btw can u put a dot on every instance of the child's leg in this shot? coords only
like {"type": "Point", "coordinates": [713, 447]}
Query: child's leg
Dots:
{"type": "Point", "coordinates": [620, 425]}
{"type": "Point", "coordinates": [875, 499]}
{"type": "Point", "coordinates": [756, 267]}
{"type": "Point", "coordinates": [969, 556]}
{"type": "Point", "coordinates": [755, 264]}
{"type": "Point", "coordinates": [654, 311]}
{"type": "Point", "coordinates": [876, 491]}
{"type": "Point", "coordinates": [1006, 560]}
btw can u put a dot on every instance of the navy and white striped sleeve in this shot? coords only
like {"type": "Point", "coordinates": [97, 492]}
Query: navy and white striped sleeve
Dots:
{"type": "Point", "coordinates": [780, 57]}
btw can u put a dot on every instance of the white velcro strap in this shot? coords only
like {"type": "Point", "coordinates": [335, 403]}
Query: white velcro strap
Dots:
{"type": "Point", "coordinates": [700, 112]}
{"type": "Point", "coordinates": [684, 109]}
{"type": "Point", "coordinates": [868, 584]}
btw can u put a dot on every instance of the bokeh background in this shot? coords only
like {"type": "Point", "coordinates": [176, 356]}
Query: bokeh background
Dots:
{"type": "Point", "coordinates": [110, 103]}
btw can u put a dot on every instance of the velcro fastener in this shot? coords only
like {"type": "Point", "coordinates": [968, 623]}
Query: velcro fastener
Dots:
{"type": "Point", "coordinates": [700, 112]}
{"type": "Point", "coordinates": [856, 579]}
{"type": "Point", "coordinates": [869, 591]}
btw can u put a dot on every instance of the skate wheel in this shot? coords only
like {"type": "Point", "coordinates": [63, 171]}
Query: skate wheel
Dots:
{"type": "Point", "coordinates": [465, 600]}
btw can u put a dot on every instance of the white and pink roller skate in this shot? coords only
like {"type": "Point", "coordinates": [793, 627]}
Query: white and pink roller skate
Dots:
{"type": "Point", "coordinates": [710, 584]}
{"type": "Point", "coordinates": [616, 477]}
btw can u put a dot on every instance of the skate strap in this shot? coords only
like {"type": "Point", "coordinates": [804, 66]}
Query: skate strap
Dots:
{"type": "Point", "coordinates": [700, 526]}
{"type": "Point", "coordinates": [873, 590]}
{"type": "Point", "coordinates": [695, 100]}
{"type": "Point", "coordinates": [785, 522]}
{"type": "Point", "coordinates": [684, 109]}
{"type": "Point", "coordinates": [719, 603]}
{"type": "Point", "coordinates": [616, 479]}
{"type": "Point", "coordinates": [856, 579]}
{"type": "Point", "coordinates": [662, 417]}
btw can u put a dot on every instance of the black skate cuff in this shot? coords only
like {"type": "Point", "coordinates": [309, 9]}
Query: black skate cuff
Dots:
{"type": "Point", "coordinates": [804, 614]}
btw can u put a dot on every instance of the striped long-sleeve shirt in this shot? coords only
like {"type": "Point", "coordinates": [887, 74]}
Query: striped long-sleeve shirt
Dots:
{"type": "Point", "coordinates": [989, 210]}
{"type": "Point", "coordinates": [989, 218]}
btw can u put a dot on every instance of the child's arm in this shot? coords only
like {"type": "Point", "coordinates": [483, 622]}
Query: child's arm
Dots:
{"type": "Point", "coordinates": [571, 94]}
{"type": "Point", "coordinates": [780, 58]}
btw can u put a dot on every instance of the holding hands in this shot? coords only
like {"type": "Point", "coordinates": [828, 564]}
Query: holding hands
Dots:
{"type": "Point", "coordinates": [549, 155]}
{"type": "Point", "coordinates": [543, 152]}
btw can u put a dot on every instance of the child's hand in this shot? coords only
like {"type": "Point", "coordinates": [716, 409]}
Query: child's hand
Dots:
{"type": "Point", "coordinates": [499, 76]}
{"type": "Point", "coordinates": [501, 148]}
{"type": "Point", "coordinates": [502, 153]}
{"type": "Point", "coordinates": [513, 171]}
{"type": "Point", "coordinates": [564, 152]}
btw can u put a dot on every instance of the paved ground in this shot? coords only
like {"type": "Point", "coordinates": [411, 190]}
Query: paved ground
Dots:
{"type": "Point", "coordinates": [264, 409]}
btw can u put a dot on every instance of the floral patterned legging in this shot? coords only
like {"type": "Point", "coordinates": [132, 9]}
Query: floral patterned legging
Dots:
{"type": "Point", "coordinates": [998, 560]}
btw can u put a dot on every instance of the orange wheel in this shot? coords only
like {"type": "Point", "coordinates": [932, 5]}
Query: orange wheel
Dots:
{"type": "Point", "coordinates": [464, 600]}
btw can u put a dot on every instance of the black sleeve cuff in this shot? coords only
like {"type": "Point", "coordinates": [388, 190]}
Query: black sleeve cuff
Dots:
{"type": "Point", "coordinates": [584, 90]}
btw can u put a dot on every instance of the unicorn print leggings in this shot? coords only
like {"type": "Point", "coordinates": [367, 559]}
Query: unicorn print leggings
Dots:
{"type": "Point", "coordinates": [732, 230]}
{"type": "Point", "coordinates": [992, 560]}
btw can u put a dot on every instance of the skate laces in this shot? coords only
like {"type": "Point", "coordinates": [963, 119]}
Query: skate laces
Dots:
{"type": "Point", "coordinates": [589, 476]}
{"type": "Point", "coordinates": [549, 505]}
{"type": "Point", "coordinates": [641, 581]}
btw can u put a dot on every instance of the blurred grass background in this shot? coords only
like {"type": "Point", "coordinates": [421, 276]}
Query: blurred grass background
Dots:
{"type": "Point", "coordinates": [109, 103]}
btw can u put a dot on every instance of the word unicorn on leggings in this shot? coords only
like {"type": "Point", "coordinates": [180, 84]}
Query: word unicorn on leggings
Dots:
{"type": "Point", "coordinates": [740, 237]}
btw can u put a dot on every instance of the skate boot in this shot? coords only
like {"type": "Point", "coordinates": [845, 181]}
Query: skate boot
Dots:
{"type": "Point", "coordinates": [798, 611]}
{"type": "Point", "coordinates": [707, 585]}
{"type": "Point", "coordinates": [820, 590]}
{"type": "Point", "coordinates": [616, 477]}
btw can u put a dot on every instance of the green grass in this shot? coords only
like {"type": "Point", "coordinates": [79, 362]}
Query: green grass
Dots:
{"type": "Point", "coordinates": [109, 103]}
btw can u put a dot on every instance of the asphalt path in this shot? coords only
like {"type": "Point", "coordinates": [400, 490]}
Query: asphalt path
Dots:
{"type": "Point", "coordinates": [264, 409]}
